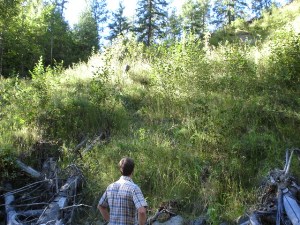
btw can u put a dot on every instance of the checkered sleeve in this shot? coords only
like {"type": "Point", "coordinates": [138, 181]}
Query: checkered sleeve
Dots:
{"type": "Point", "coordinates": [103, 200]}
{"type": "Point", "coordinates": [138, 198]}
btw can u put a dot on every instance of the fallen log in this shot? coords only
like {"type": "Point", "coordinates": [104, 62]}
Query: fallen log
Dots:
{"type": "Point", "coordinates": [62, 202]}
{"type": "Point", "coordinates": [29, 170]}
{"type": "Point", "coordinates": [10, 211]}
{"type": "Point", "coordinates": [55, 209]}
{"type": "Point", "coordinates": [97, 140]}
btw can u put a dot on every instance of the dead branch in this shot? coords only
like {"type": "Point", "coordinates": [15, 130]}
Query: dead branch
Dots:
{"type": "Point", "coordinates": [9, 209]}
{"type": "Point", "coordinates": [80, 145]}
{"type": "Point", "coordinates": [30, 186]}
{"type": "Point", "coordinates": [30, 204]}
{"type": "Point", "coordinates": [102, 136]}
{"type": "Point", "coordinates": [53, 212]}
{"type": "Point", "coordinates": [80, 205]}
{"type": "Point", "coordinates": [29, 170]}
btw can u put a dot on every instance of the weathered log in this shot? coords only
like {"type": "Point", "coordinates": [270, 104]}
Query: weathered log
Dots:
{"type": "Point", "coordinates": [9, 198]}
{"type": "Point", "coordinates": [53, 213]}
{"type": "Point", "coordinates": [29, 170]}
{"type": "Point", "coordinates": [80, 145]}
{"type": "Point", "coordinates": [29, 213]}
{"type": "Point", "coordinates": [54, 210]}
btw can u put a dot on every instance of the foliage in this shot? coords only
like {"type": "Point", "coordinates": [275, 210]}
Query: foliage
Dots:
{"type": "Point", "coordinates": [119, 24]}
{"type": "Point", "coordinates": [86, 35]}
{"type": "Point", "coordinates": [225, 12]}
{"type": "Point", "coordinates": [151, 19]}
{"type": "Point", "coordinates": [174, 27]}
{"type": "Point", "coordinates": [99, 10]}
{"type": "Point", "coordinates": [195, 16]}
{"type": "Point", "coordinates": [30, 29]}
{"type": "Point", "coordinates": [9, 171]}
{"type": "Point", "coordinates": [259, 6]}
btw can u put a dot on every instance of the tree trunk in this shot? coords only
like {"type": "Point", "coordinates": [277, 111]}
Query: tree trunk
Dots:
{"type": "Point", "coordinates": [1, 54]}
{"type": "Point", "coordinates": [149, 35]}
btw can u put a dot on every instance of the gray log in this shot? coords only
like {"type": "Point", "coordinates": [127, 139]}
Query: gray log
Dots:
{"type": "Point", "coordinates": [9, 209]}
{"type": "Point", "coordinates": [32, 172]}
{"type": "Point", "coordinates": [53, 212]}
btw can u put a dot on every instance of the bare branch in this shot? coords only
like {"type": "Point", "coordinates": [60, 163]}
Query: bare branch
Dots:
{"type": "Point", "coordinates": [32, 172]}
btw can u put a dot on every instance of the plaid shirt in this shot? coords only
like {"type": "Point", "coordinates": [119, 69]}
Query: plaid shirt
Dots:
{"type": "Point", "coordinates": [123, 199]}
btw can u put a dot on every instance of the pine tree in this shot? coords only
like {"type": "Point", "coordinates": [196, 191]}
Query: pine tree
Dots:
{"type": "Point", "coordinates": [227, 11]}
{"type": "Point", "coordinates": [258, 6]}
{"type": "Point", "coordinates": [195, 14]}
{"type": "Point", "coordinates": [152, 16]}
{"type": "Point", "coordinates": [119, 24]}
{"type": "Point", "coordinates": [174, 30]}
{"type": "Point", "coordinates": [86, 35]}
{"type": "Point", "coordinates": [100, 13]}
{"type": "Point", "coordinates": [9, 11]}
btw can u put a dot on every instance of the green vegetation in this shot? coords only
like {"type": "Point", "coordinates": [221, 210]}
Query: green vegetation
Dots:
{"type": "Point", "coordinates": [203, 123]}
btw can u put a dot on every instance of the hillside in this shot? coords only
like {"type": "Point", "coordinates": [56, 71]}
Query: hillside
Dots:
{"type": "Point", "coordinates": [263, 28]}
{"type": "Point", "coordinates": [204, 123]}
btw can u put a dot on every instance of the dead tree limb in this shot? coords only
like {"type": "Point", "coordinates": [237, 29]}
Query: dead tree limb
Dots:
{"type": "Point", "coordinates": [29, 170]}
{"type": "Point", "coordinates": [58, 211]}
{"type": "Point", "coordinates": [54, 210]}
{"type": "Point", "coordinates": [9, 198]}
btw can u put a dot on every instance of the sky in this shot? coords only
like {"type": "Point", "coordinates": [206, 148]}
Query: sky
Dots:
{"type": "Point", "coordinates": [75, 7]}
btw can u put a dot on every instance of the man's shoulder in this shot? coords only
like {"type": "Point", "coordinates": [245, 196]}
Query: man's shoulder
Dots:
{"type": "Point", "coordinates": [123, 183]}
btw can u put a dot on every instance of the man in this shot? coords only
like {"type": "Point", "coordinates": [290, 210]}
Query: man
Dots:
{"type": "Point", "coordinates": [124, 199]}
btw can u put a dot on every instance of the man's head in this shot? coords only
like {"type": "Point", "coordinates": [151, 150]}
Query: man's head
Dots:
{"type": "Point", "coordinates": [126, 166]}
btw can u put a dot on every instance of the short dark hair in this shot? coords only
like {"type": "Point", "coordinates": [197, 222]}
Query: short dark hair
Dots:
{"type": "Point", "coordinates": [126, 166]}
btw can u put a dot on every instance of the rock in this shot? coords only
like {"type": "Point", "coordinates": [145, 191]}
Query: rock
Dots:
{"type": "Point", "coordinates": [163, 217]}
{"type": "Point", "coordinates": [224, 223]}
{"type": "Point", "coordinates": [198, 221]}
{"type": "Point", "coordinates": [175, 220]}
{"type": "Point", "coordinates": [126, 68]}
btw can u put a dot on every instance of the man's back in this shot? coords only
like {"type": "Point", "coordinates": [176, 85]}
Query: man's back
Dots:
{"type": "Point", "coordinates": [123, 198]}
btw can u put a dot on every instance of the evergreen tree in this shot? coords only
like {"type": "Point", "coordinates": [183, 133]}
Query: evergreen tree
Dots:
{"type": "Point", "coordinates": [9, 11]}
{"type": "Point", "coordinates": [258, 6]}
{"type": "Point", "coordinates": [195, 13]}
{"type": "Point", "coordinates": [174, 30]}
{"type": "Point", "coordinates": [56, 41]}
{"type": "Point", "coordinates": [119, 24]}
{"type": "Point", "coordinates": [86, 35]}
{"type": "Point", "coordinates": [152, 16]}
{"type": "Point", "coordinates": [227, 11]}
{"type": "Point", "coordinates": [32, 29]}
{"type": "Point", "coordinates": [100, 13]}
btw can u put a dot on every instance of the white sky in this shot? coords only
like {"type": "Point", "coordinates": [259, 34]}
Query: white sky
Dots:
{"type": "Point", "coordinates": [75, 7]}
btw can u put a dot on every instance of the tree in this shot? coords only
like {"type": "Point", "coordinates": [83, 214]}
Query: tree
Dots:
{"type": "Point", "coordinates": [8, 17]}
{"type": "Point", "coordinates": [227, 11]}
{"type": "Point", "coordinates": [119, 24]}
{"type": "Point", "coordinates": [152, 16]}
{"type": "Point", "coordinates": [100, 12]}
{"type": "Point", "coordinates": [195, 14]}
{"type": "Point", "coordinates": [58, 38]}
{"type": "Point", "coordinates": [60, 5]}
{"type": "Point", "coordinates": [30, 29]}
{"type": "Point", "coordinates": [86, 35]}
{"type": "Point", "coordinates": [174, 30]}
{"type": "Point", "coordinates": [258, 6]}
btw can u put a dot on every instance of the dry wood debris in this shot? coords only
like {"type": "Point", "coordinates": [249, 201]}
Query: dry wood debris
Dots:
{"type": "Point", "coordinates": [51, 199]}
